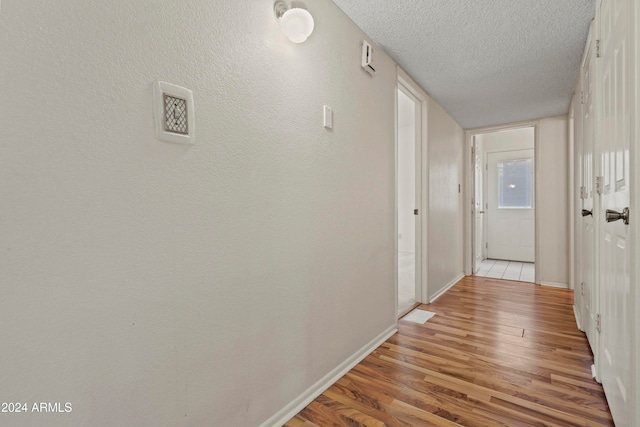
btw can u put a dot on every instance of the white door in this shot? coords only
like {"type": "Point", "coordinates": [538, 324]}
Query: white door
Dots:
{"type": "Point", "coordinates": [588, 212]}
{"type": "Point", "coordinates": [478, 209]}
{"type": "Point", "coordinates": [613, 147]}
{"type": "Point", "coordinates": [578, 160]}
{"type": "Point", "coordinates": [510, 206]}
{"type": "Point", "coordinates": [409, 193]}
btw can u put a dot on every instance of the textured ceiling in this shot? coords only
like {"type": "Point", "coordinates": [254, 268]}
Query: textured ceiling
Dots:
{"type": "Point", "coordinates": [486, 62]}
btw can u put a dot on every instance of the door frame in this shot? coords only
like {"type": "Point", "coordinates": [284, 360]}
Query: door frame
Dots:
{"type": "Point", "coordinates": [474, 201]}
{"type": "Point", "coordinates": [469, 210]}
{"type": "Point", "coordinates": [421, 98]}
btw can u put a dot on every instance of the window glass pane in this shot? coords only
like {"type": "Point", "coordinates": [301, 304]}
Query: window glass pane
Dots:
{"type": "Point", "coordinates": [515, 183]}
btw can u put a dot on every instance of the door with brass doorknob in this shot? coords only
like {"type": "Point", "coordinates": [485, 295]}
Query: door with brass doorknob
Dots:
{"type": "Point", "coordinates": [617, 315]}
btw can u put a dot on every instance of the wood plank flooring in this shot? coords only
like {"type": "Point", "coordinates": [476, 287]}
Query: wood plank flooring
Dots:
{"type": "Point", "coordinates": [497, 353]}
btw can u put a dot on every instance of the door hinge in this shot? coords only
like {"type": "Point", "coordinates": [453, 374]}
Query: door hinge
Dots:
{"type": "Point", "coordinates": [581, 97]}
{"type": "Point", "coordinates": [415, 211]}
{"type": "Point", "coordinates": [486, 245]}
{"type": "Point", "coordinates": [599, 184]}
{"type": "Point", "coordinates": [582, 288]}
{"type": "Point", "coordinates": [597, 48]}
{"type": "Point", "coordinates": [598, 323]}
{"type": "Point", "coordinates": [583, 192]}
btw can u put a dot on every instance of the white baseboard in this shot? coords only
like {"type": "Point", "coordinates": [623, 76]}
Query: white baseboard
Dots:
{"type": "Point", "coordinates": [594, 374]}
{"type": "Point", "coordinates": [555, 285]}
{"type": "Point", "coordinates": [446, 288]}
{"type": "Point", "coordinates": [309, 395]}
{"type": "Point", "coordinates": [575, 313]}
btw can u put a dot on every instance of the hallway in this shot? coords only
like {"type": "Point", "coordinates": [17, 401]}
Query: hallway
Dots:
{"type": "Point", "coordinates": [167, 165]}
{"type": "Point", "coordinates": [496, 353]}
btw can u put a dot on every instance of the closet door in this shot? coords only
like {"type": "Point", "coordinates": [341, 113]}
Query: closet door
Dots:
{"type": "Point", "coordinates": [614, 239]}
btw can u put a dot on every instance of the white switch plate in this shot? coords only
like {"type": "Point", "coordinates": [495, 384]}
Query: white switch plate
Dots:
{"type": "Point", "coordinates": [167, 128]}
{"type": "Point", "coordinates": [328, 117]}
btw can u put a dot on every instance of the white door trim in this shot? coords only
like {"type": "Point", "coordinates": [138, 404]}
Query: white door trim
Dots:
{"type": "Point", "coordinates": [409, 85]}
{"type": "Point", "coordinates": [468, 193]}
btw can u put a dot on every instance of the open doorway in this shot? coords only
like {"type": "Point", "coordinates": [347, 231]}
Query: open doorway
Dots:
{"type": "Point", "coordinates": [409, 199]}
{"type": "Point", "coordinates": [406, 200]}
{"type": "Point", "coordinates": [503, 201]}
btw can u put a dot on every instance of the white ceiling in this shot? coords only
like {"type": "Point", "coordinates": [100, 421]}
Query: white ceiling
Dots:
{"type": "Point", "coordinates": [486, 62]}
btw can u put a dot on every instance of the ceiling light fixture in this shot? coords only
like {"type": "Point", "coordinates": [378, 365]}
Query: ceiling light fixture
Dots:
{"type": "Point", "coordinates": [295, 21]}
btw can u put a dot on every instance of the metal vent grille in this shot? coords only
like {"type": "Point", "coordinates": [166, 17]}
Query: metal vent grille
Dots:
{"type": "Point", "coordinates": [175, 115]}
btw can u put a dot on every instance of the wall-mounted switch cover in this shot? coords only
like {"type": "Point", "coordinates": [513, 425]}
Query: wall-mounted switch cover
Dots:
{"type": "Point", "coordinates": [328, 117]}
{"type": "Point", "coordinates": [174, 113]}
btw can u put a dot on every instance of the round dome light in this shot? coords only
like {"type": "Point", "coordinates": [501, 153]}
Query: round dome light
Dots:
{"type": "Point", "coordinates": [296, 23]}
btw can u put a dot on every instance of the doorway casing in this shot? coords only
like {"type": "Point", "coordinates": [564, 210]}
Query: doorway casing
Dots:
{"type": "Point", "coordinates": [469, 190]}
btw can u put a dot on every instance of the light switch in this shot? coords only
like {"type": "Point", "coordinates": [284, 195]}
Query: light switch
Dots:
{"type": "Point", "coordinates": [328, 117]}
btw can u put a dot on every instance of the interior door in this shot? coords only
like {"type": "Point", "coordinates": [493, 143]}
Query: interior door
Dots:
{"type": "Point", "coordinates": [588, 212]}
{"type": "Point", "coordinates": [478, 211]}
{"type": "Point", "coordinates": [613, 146]}
{"type": "Point", "coordinates": [409, 199]}
{"type": "Point", "coordinates": [510, 206]}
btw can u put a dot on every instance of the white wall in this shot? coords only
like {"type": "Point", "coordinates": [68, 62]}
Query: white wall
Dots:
{"type": "Point", "coordinates": [506, 140]}
{"type": "Point", "coordinates": [446, 227]}
{"type": "Point", "coordinates": [157, 284]}
{"type": "Point", "coordinates": [552, 202]}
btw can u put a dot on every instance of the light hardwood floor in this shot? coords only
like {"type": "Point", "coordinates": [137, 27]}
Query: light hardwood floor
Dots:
{"type": "Point", "coordinates": [497, 353]}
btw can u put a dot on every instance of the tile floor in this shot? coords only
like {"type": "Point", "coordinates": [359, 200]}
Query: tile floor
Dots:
{"type": "Point", "coordinates": [508, 270]}
{"type": "Point", "coordinates": [406, 280]}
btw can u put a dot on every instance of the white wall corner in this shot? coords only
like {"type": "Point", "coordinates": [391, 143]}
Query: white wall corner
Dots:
{"type": "Point", "coordinates": [447, 287]}
{"type": "Point", "coordinates": [310, 394]}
